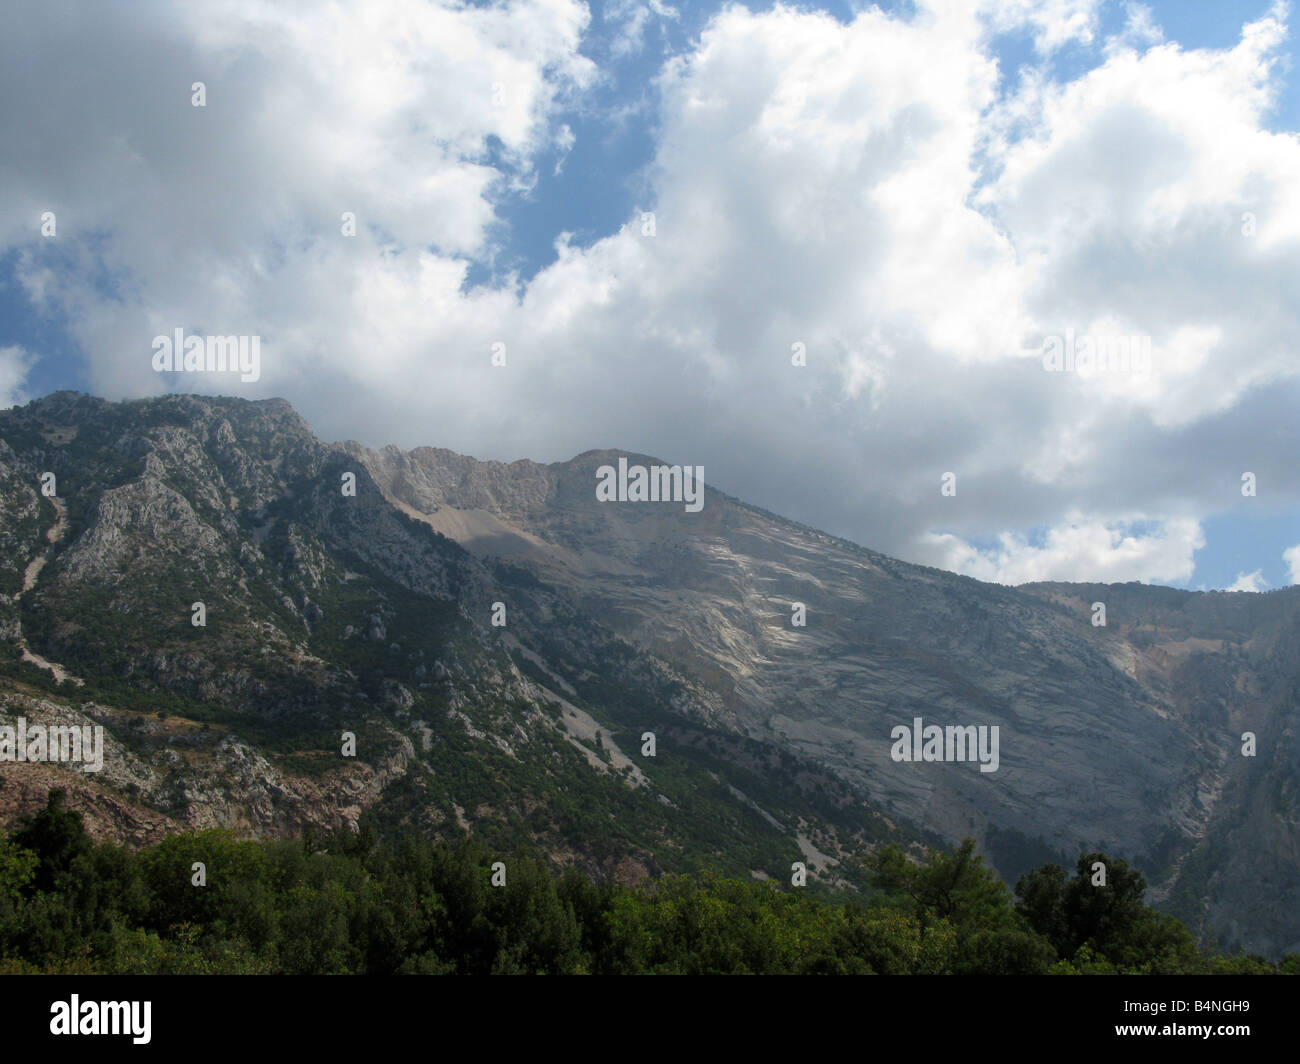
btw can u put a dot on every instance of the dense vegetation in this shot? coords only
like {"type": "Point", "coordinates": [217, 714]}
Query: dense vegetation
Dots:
{"type": "Point", "coordinates": [351, 905]}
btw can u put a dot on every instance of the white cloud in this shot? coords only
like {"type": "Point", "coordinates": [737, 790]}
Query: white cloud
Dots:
{"type": "Point", "coordinates": [1140, 30]}
{"type": "Point", "coordinates": [1081, 550]}
{"type": "Point", "coordinates": [862, 189]}
{"type": "Point", "coordinates": [1053, 22]}
{"type": "Point", "coordinates": [630, 19]}
{"type": "Point", "coordinates": [14, 364]}
{"type": "Point", "coordinates": [1292, 558]}
{"type": "Point", "coordinates": [1249, 582]}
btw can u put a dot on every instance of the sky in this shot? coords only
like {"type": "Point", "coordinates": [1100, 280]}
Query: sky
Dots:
{"type": "Point", "coordinates": [1009, 288]}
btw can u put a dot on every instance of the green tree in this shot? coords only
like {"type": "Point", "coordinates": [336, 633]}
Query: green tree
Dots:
{"type": "Point", "coordinates": [17, 869]}
{"type": "Point", "coordinates": [1040, 899]}
{"type": "Point", "coordinates": [57, 837]}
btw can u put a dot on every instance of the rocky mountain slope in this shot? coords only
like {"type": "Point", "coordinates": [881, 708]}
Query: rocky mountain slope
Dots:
{"type": "Point", "coordinates": [329, 612]}
{"type": "Point", "coordinates": [1126, 737]}
{"type": "Point", "coordinates": [373, 613]}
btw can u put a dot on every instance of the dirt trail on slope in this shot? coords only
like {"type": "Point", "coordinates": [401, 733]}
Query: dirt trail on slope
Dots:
{"type": "Point", "coordinates": [53, 536]}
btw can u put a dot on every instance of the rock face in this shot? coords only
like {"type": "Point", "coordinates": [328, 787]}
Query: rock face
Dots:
{"type": "Point", "coordinates": [272, 645]}
{"type": "Point", "coordinates": [1126, 737]}
{"type": "Point", "coordinates": [499, 642]}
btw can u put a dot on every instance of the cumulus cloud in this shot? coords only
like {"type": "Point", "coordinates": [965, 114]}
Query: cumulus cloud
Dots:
{"type": "Point", "coordinates": [14, 363]}
{"type": "Point", "coordinates": [1140, 28]}
{"type": "Point", "coordinates": [873, 191]}
{"type": "Point", "coordinates": [229, 218]}
{"type": "Point", "coordinates": [1292, 558]}
{"type": "Point", "coordinates": [1053, 23]}
{"type": "Point", "coordinates": [1083, 550]}
{"type": "Point", "coordinates": [1249, 582]}
{"type": "Point", "coordinates": [630, 18]}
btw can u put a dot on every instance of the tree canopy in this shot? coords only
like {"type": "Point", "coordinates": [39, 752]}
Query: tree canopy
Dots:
{"type": "Point", "coordinates": [349, 904]}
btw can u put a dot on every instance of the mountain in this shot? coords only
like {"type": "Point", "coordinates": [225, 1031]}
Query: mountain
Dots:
{"type": "Point", "coordinates": [330, 611]}
{"type": "Point", "coordinates": [1126, 737]}
{"type": "Point", "coordinates": [372, 613]}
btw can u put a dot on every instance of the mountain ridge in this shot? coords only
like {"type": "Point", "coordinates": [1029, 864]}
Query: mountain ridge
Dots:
{"type": "Point", "coordinates": [1124, 737]}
